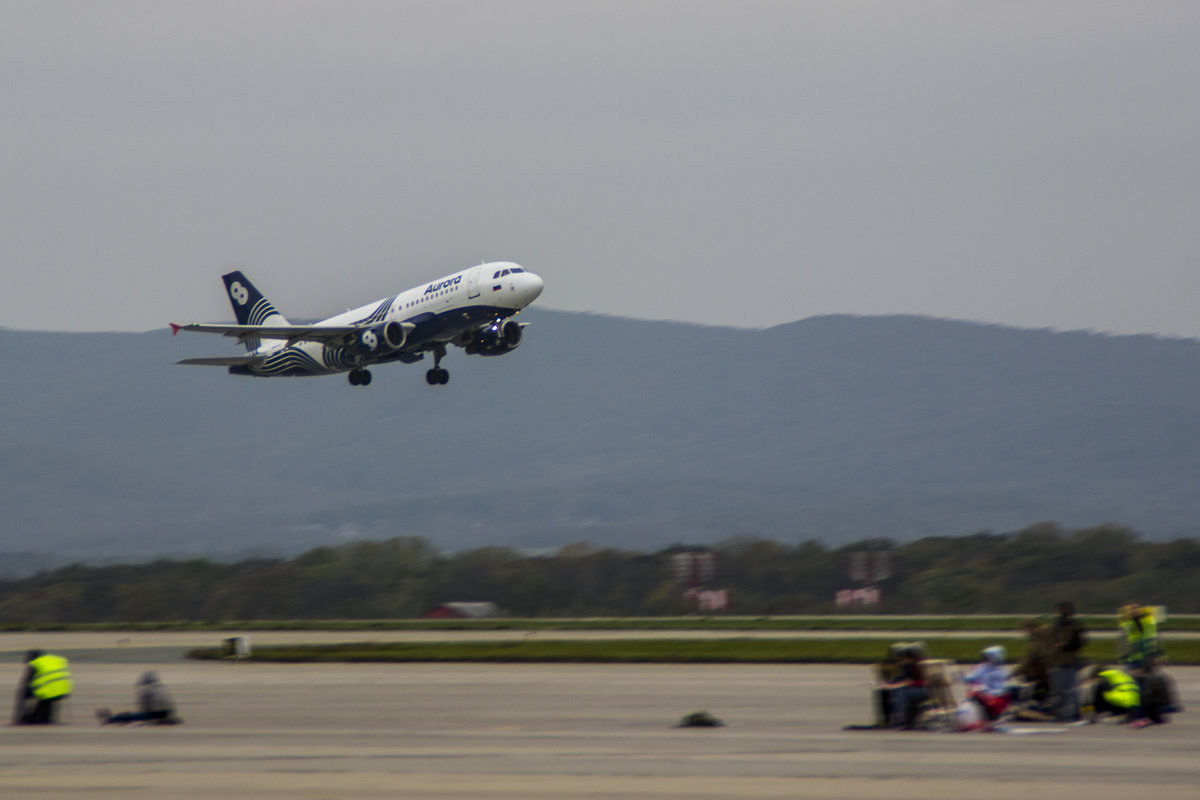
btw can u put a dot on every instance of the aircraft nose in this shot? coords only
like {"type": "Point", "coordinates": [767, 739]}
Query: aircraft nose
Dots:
{"type": "Point", "coordinates": [533, 285]}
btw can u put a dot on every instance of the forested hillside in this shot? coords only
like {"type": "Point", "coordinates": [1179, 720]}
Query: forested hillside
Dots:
{"type": "Point", "coordinates": [1030, 571]}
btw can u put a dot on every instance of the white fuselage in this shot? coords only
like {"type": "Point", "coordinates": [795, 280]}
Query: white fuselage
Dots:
{"type": "Point", "coordinates": [435, 313]}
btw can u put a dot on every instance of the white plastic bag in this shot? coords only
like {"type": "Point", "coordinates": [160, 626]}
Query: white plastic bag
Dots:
{"type": "Point", "coordinates": [968, 716]}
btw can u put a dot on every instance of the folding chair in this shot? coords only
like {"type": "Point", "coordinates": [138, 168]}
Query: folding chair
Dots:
{"type": "Point", "coordinates": [938, 710]}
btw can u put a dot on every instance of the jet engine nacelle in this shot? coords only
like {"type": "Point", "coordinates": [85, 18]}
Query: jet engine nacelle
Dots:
{"type": "Point", "coordinates": [496, 339]}
{"type": "Point", "coordinates": [379, 339]}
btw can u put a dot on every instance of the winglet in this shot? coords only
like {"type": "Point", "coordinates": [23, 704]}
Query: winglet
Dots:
{"type": "Point", "coordinates": [174, 328]}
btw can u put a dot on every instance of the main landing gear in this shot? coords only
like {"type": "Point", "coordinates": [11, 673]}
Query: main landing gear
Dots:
{"type": "Point", "coordinates": [360, 377]}
{"type": "Point", "coordinates": [437, 375]}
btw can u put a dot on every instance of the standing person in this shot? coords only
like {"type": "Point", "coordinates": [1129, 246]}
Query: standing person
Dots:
{"type": "Point", "coordinates": [1034, 667]}
{"type": "Point", "coordinates": [1139, 638]}
{"type": "Point", "coordinates": [154, 705]}
{"type": "Point", "coordinates": [47, 680]}
{"type": "Point", "coordinates": [1067, 638]}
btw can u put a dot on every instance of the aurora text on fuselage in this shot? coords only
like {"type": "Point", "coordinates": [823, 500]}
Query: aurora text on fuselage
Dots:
{"type": "Point", "coordinates": [446, 284]}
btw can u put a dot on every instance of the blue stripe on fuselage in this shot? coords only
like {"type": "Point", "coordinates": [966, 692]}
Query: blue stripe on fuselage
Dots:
{"type": "Point", "coordinates": [448, 324]}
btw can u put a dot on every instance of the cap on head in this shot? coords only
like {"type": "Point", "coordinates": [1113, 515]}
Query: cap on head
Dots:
{"type": "Point", "coordinates": [995, 654]}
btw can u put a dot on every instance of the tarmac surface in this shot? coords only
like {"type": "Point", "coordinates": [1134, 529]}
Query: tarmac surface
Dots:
{"type": "Point", "coordinates": [451, 731]}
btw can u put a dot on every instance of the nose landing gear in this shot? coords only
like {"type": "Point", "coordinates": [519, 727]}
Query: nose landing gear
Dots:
{"type": "Point", "coordinates": [437, 375]}
{"type": "Point", "coordinates": [359, 377]}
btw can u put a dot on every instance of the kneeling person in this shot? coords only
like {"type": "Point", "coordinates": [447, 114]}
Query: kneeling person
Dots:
{"type": "Point", "coordinates": [1114, 692]}
{"type": "Point", "coordinates": [46, 683]}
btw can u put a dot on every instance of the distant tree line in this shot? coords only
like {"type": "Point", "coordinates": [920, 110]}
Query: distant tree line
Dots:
{"type": "Point", "coordinates": [1097, 568]}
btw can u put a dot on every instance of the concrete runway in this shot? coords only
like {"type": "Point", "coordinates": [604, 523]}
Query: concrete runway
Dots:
{"type": "Point", "coordinates": [543, 731]}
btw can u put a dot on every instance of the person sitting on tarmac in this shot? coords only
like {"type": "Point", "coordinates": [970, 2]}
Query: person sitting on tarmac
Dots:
{"type": "Point", "coordinates": [154, 704]}
{"type": "Point", "coordinates": [886, 671]}
{"type": "Point", "coordinates": [906, 691]}
{"type": "Point", "coordinates": [988, 683]}
{"type": "Point", "coordinates": [1159, 698]}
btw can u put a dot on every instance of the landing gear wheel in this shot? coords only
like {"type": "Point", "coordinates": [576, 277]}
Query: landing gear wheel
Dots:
{"type": "Point", "coordinates": [359, 377]}
{"type": "Point", "coordinates": [353, 377]}
{"type": "Point", "coordinates": [437, 374]}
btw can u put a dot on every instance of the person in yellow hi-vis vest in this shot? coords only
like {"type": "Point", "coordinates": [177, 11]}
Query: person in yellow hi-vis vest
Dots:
{"type": "Point", "coordinates": [1116, 692]}
{"type": "Point", "coordinates": [1138, 643]}
{"type": "Point", "coordinates": [47, 680]}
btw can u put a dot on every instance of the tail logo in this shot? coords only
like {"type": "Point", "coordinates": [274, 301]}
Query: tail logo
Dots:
{"type": "Point", "coordinates": [239, 293]}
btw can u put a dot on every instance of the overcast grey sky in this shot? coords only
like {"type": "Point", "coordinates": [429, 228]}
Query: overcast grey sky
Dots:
{"type": "Point", "coordinates": [735, 163]}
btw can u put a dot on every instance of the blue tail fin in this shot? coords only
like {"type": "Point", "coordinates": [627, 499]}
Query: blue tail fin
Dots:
{"type": "Point", "coordinates": [249, 306]}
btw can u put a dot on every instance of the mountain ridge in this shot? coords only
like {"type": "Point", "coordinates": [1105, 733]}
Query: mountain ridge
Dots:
{"type": "Point", "coordinates": [628, 433]}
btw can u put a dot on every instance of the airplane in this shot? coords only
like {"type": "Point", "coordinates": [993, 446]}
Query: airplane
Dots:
{"type": "Point", "coordinates": [472, 309]}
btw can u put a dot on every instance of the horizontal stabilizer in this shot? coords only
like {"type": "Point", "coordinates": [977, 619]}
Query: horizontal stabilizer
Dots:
{"type": "Point", "coordinates": [223, 361]}
{"type": "Point", "coordinates": [291, 333]}
{"type": "Point", "coordinates": [296, 333]}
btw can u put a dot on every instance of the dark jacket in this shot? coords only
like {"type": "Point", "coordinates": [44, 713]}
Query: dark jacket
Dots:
{"type": "Point", "coordinates": [153, 697]}
{"type": "Point", "coordinates": [1035, 661]}
{"type": "Point", "coordinates": [1067, 638]}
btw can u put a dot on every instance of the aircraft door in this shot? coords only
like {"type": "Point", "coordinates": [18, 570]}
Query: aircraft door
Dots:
{"type": "Point", "coordinates": [473, 283]}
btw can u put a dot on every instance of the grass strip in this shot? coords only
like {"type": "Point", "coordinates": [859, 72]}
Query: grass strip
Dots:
{"type": "Point", "coordinates": [998, 623]}
{"type": "Point", "coordinates": [664, 651]}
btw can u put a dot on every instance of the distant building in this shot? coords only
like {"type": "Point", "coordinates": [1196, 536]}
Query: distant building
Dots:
{"type": "Point", "coordinates": [463, 611]}
{"type": "Point", "coordinates": [708, 599]}
{"type": "Point", "coordinates": [869, 597]}
{"type": "Point", "coordinates": [869, 566]}
{"type": "Point", "coordinates": [693, 568]}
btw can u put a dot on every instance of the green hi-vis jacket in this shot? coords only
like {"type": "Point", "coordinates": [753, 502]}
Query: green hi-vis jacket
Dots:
{"type": "Point", "coordinates": [1139, 639]}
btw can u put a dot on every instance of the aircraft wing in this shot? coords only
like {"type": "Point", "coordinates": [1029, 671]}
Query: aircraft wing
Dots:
{"type": "Point", "coordinates": [292, 333]}
{"type": "Point", "coordinates": [223, 361]}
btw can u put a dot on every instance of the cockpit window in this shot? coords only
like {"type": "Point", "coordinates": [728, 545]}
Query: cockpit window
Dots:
{"type": "Point", "coordinates": [515, 270]}
{"type": "Point", "coordinates": [495, 274]}
{"type": "Point", "coordinates": [502, 274]}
